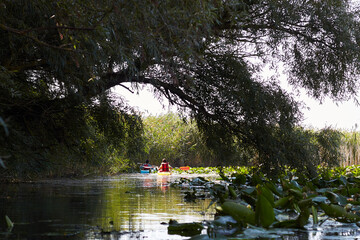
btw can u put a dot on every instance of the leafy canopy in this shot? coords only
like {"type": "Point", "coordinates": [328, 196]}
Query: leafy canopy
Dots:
{"type": "Point", "coordinates": [204, 56]}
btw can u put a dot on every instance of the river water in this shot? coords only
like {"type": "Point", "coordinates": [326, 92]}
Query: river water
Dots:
{"type": "Point", "coordinates": [129, 206]}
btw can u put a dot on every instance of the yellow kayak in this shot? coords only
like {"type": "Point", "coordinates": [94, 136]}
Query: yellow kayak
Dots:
{"type": "Point", "coordinates": [164, 173]}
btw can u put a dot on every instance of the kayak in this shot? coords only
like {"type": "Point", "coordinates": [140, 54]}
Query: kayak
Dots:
{"type": "Point", "coordinates": [144, 171]}
{"type": "Point", "coordinates": [185, 168]}
{"type": "Point", "coordinates": [164, 173]}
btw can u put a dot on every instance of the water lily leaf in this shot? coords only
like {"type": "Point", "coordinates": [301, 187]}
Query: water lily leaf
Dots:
{"type": "Point", "coordinates": [2, 123]}
{"type": "Point", "coordinates": [319, 199]}
{"type": "Point", "coordinates": [339, 213]}
{"type": "Point", "coordinates": [333, 210]}
{"type": "Point", "coordinates": [295, 184]}
{"type": "Point", "coordinates": [324, 190]}
{"type": "Point", "coordinates": [353, 190]}
{"type": "Point", "coordinates": [300, 222]}
{"type": "Point", "coordinates": [248, 198]}
{"type": "Point", "coordinates": [200, 180]}
{"type": "Point", "coordinates": [223, 177]}
{"type": "Point", "coordinates": [232, 192]}
{"type": "Point", "coordinates": [330, 181]}
{"type": "Point", "coordinates": [9, 223]}
{"type": "Point", "coordinates": [354, 180]}
{"type": "Point", "coordinates": [239, 212]}
{"type": "Point", "coordinates": [296, 193]}
{"type": "Point", "coordinates": [256, 179]}
{"type": "Point", "coordinates": [303, 218]}
{"type": "Point", "coordinates": [305, 203]}
{"type": "Point", "coordinates": [336, 198]}
{"type": "Point", "coordinates": [285, 184]}
{"type": "Point", "coordinates": [249, 190]}
{"type": "Point", "coordinates": [185, 229]}
{"type": "Point", "coordinates": [332, 197]}
{"type": "Point", "coordinates": [218, 188]}
{"type": "Point", "coordinates": [239, 179]}
{"type": "Point", "coordinates": [343, 180]}
{"type": "Point", "coordinates": [311, 186]}
{"type": "Point", "coordinates": [264, 191]}
{"type": "Point", "coordinates": [315, 215]}
{"type": "Point", "coordinates": [286, 224]}
{"type": "Point", "coordinates": [2, 164]}
{"type": "Point", "coordinates": [264, 212]}
{"type": "Point", "coordinates": [223, 220]}
{"type": "Point", "coordinates": [297, 208]}
{"type": "Point", "coordinates": [282, 202]}
{"type": "Point", "coordinates": [342, 200]}
{"type": "Point", "coordinates": [257, 232]}
{"type": "Point", "coordinates": [271, 186]}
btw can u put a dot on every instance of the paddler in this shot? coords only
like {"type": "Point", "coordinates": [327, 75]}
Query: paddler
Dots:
{"type": "Point", "coordinates": [147, 166]}
{"type": "Point", "coordinates": [165, 166]}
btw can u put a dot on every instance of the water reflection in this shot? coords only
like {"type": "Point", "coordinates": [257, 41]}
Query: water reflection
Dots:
{"type": "Point", "coordinates": [124, 207]}
{"type": "Point", "coordinates": [163, 182]}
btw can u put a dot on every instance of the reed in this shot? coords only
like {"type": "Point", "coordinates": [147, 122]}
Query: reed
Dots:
{"type": "Point", "coordinates": [350, 148]}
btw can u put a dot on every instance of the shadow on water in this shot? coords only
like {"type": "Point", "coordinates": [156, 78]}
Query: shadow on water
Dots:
{"type": "Point", "coordinates": [124, 207]}
{"type": "Point", "coordinates": [136, 206]}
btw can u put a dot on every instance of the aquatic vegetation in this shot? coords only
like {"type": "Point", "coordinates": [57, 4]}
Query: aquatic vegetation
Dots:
{"type": "Point", "coordinates": [251, 200]}
{"type": "Point", "coordinates": [215, 170]}
{"type": "Point", "coordinates": [198, 170]}
{"type": "Point", "coordinates": [184, 229]}
{"type": "Point", "coordinates": [9, 223]}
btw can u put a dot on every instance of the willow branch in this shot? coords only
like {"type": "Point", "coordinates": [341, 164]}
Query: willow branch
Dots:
{"type": "Point", "coordinates": [56, 27]}
{"type": "Point", "coordinates": [21, 33]}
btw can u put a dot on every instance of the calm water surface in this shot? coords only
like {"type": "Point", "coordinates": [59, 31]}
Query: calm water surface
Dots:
{"type": "Point", "coordinates": [124, 207]}
{"type": "Point", "coordinates": [136, 206]}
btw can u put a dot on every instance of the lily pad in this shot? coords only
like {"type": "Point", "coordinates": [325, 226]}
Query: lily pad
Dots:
{"type": "Point", "coordinates": [185, 229]}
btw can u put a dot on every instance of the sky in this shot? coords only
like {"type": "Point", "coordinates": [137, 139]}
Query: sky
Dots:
{"type": "Point", "coordinates": [343, 116]}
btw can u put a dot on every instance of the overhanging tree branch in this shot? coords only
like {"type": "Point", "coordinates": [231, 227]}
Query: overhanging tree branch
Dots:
{"type": "Point", "coordinates": [21, 33]}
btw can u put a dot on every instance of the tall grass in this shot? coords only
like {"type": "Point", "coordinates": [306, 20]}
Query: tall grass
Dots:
{"type": "Point", "coordinates": [169, 136]}
{"type": "Point", "coordinates": [350, 148]}
{"type": "Point", "coordinates": [178, 140]}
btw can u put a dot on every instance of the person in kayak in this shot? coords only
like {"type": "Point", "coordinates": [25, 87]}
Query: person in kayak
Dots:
{"type": "Point", "coordinates": [165, 166]}
{"type": "Point", "coordinates": [147, 166]}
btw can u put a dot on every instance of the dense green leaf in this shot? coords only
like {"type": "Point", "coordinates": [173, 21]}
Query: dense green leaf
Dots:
{"type": "Point", "coordinates": [264, 211]}
{"type": "Point", "coordinates": [9, 223]}
{"type": "Point", "coordinates": [239, 212]}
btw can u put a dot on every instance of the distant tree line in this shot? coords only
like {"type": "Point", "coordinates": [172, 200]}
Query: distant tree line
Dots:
{"type": "Point", "coordinates": [181, 141]}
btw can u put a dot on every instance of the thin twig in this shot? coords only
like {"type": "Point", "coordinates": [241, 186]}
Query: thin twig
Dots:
{"type": "Point", "coordinates": [13, 30]}
{"type": "Point", "coordinates": [126, 88]}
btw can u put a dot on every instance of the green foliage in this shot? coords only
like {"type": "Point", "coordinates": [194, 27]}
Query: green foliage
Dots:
{"type": "Point", "coordinates": [184, 229]}
{"type": "Point", "coordinates": [180, 141]}
{"type": "Point", "coordinates": [2, 122]}
{"type": "Point", "coordinates": [58, 59]}
{"type": "Point", "coordinates": [286, 202]}
{"type": "Point", "coordinates": [351, 148]}
{"type": "Point", "coordinates": [168, 136]}
{"type": "Point", "coordinates": [9, 223]}
{"type": "Point", "coordinates": [74, 142]}
{"type": "Point", "coordinates": [329, 146]}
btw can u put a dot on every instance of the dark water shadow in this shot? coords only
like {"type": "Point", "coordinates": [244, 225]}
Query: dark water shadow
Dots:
{"type": "Point", "coordinates": [123, 207]}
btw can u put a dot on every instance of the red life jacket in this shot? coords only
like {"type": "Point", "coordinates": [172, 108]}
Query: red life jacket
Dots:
{"type": "Point", "coordinates": [165, 167]}
{"type": "Point", "coordinates": [146, 166]}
